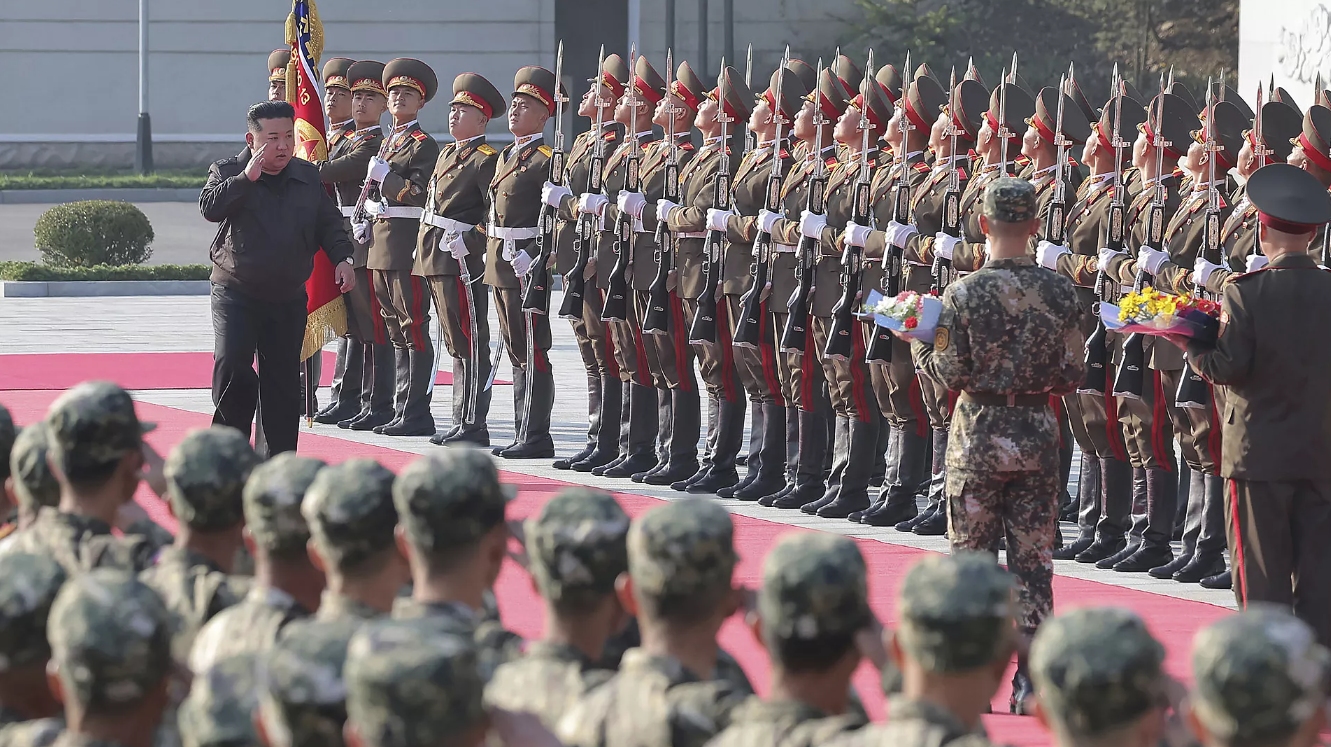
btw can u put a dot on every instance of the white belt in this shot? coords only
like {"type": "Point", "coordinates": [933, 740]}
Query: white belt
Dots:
{"type": "Point", "coordinates": [784, 248]}
{"type": "Point", "coordinates": [913, 263]}
{"type": "Point", "coordinates": [347, 212]}
{"type": "Point", "coordinates": [510, 235]}
{"type": "Point", "coordinates": [377, 210]}
{"type": "Point", "coordinates": [448, 224]}
{"type": "Point", "coordinates": [690, 235]}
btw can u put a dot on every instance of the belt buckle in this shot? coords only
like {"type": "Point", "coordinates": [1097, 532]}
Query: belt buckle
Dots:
{"type": "Point", "coordinates": [1011, 400]}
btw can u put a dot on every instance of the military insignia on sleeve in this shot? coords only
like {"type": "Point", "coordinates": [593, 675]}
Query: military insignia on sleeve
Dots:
{"type": "Point", "coordinates": [486, 150]}
{"type": "Point", "coordinates": [941, 339]}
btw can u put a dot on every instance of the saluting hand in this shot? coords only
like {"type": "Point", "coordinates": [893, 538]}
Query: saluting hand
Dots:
{"type": "Point", "coordinates": [254, 169]}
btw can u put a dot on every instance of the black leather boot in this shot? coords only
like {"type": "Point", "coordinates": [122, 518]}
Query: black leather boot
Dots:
{"type": "Point", "coordinates": [402, 381]}
{"type": "Point", "coordinates": [477, 432]}
{"type": "Point", "coordinates": [339, 374]}
{"type": "Point", "coordinates": [377, 397]}
{"type": "Point", "coordinates": [348, 384]}
{"type": "Point", "coordinates": [854, 490]}
{"type": "Point", "coordinates": [771, 458]}
{"type": "Point", "coordinates": [665, 427]}
{"type": "Point", "coordinates": [809, 484]}
{"type": "Point", "coordinates": [1022, 688]}
{"type": "Point", "coordinates": [756, 433]}
{"type": "Point", "coordinates": [1116, 486]}
{"type": "Point", "coordinates": [881, 461]}
{"type": "Point", "coordinates": [893, 460]}
{"type": "Point", "coordinates": [1219, 581]}
{"type": "Point", "coordinates": [621, 434]}
{"type": "Point", "coordinates": [839, 452]}
{"type": "Point", "coordinates": [912, 466]}
{"type": "Point", "coordinates": [729, 439]}
{"type": "Point", "coordinates": [1087, 508]}
{"type": "Point", "coordinates": [535, 441]}
{"type": "Point", "coordinates": [792, 457]}
{"type": "Point", "coordinates": [709, 446]}
{"type": "Point", "coordinates": [593, 424]}
{"type": "Point", "coordinates": [417, 420]}
{"type": "Point", "coordinates": [935, 485]}
{"type": "Point", "coordinates": [607, 433]}
{"type": "Point", "coordinates": [686, 428]}
{"type": "Point", "coordinates": [1161, 502]}
{"type": "Point", "coordinates": [641, 454]}
{"type": "Point", "coordinates": [1192, 528]}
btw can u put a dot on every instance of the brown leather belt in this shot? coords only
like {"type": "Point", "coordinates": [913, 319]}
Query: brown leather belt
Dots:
{"type": "Point", "coordinates": [1007, 400]}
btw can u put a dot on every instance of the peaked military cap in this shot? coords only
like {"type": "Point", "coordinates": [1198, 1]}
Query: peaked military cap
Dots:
{"type": "Point", "coordinates": [873, 103]}
{"type": "Point", "coordinates": [1315, 140]}
{"type": "Point", "coordinates": [473, 89]}
{"type": "Point", "coordinates": [1259, 675]}
{"type": "Point", "coordinates": [1021, 83]}
{"type": "Point", "coordinates": [792, 93]}
{"type": "Point", "coordinates": [1045, 119]}
{"type": "Point", "coordinates": [335, 72]}
{"type": "Point", "coordinates": [451, 498]}
{"type": "Point", "coordinates": [1324, 98]}
{"type": "Point", "coordinates": [1180, 90]}
{"type": "Point", "coordinates": [807, 75]}
{"type": "Point", "coordinates": [849, 74]}
{"type": "Point", "coordinates": [830, 96]}
{"type": "Point", "coordinates": [814, 586]}
{"type": "Point", "coordinates": [219, 710]}
{"type": "Point", "coordinates": [577, 544]}
{"type": "Point", "coordinates": [1229, 124]}
{"type": "Point", "coordinates": [616, 75]}
{"type": "Point", "coordinates": [1288, 198]}
{"type": "Point", "coordinates": [1087, 110]}
{"type": "Point", "coordinates": [93, 424]}
{"type": "Point", "coordinates": [273, 495]}
{"type": "Point", "coordinates": [1233, 97]}
{"type": "Point", "coordinates": [1280, 125]}
{"type": "Point", "coordinates": [1174, 119]}
{"type": "Point", "coordinates": [891, 81]}
{"type": "Point", "coordinates": [1131, 91]}
{"type": "Point", "coordinates": [7, 434]}
{"type": "Point", "coordinates": [924, 70]}
{"type": "Point", "coordinates": [1020, 107]}
{"type": "Point", "coordinates": [538, 83]}
{"type": "Point", "coordinates": [28, 588]}
{"type": "Point", "coordinates": [973, 73]}
{"type": "Point", "coordinates": [367, 75]}
{"type": "Point", "coordinates": [1133, 117]}
{"type": "Point", "coordinates": [736, 100]}
{"type": "Point", "coordinates": [277, 64]}
{"type": "Point", "coordinates": [1285, 97]}
{"type": "Point", "coordinates": [688, 87]}
{"type": "Point", "coordinates": [956, 611]}
{"type": "Point", "coordinates": [34, 483]}
{"type": "Point", "coordinates": [682, 548]}
{"type": "Point", "coordinates": [924, 99]}
{"type": "Point", "coordinates": [349, 509]}
{"type": "Point", "coordinates": [647, 83]}
{"type": "Point", "coordinates": [412, 73]}
{"type": "Point", "coordinates": [206, 475]}
{"type": "Point", "coordinates": [972, 101]}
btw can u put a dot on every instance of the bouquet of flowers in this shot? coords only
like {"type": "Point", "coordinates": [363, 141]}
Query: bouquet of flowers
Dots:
{"type": "Point", "coordinates": [1151, 312]}
{"type": "Point", "coordinates": [910, 313]}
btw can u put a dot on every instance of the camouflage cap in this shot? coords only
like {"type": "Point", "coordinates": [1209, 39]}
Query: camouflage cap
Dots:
{"type": "Point", "coordinates": [1009, 199]}
{"type": "Point", "coordinates": [273, 495]}
{"type": "Point", "coordinates": [7, 434]}
{"type": "Point", "coordinates": [111, 638]}
{"type": "Point", "coordinates": [219, 710]}
{"type": "Point", "coordinates": [1259, 675]}
{"type": "Point", "coordinates": [205, 476]}
{"type": "Point", "coordinates": [302, 695]}
{"type": "Point", "coordinates": [682, 548]}
{"type": "Point", "coordinates": [450, 498]}
{"type": "Point", "coordinates": [956, 612]}
{"type": "Point", "coordinates": [34, 482]}
{"type": "Point", "coordinates": [350, 512]}
{"type": "Point", "coordinates": [1097, 669]}
{"type": "Point", "coordinates": [28, 587]}
{"type": "Point", "coordinates": [93, 424]}
{"type": "Point", "coordinates": [578, 544]}
{"type": "Point", "coordinates": [411, 686]}
{"type": "Point", "coordinates": [814, 585]}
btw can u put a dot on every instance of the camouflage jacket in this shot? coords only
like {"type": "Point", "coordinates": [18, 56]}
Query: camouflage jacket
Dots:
{"type": "Point", "coordinates": [81, 543]}
{"type": "Point", "coordinates": [727, 667]}
{"type": "Point", "coordinates": [652, 702]}
{"type": "Point", "coordinates": [914, 723]}
{"type": "Point", "coordinates": [1010, 328]}
{"type": "Point", "coordinates": [494, 644]}
{"type": "Point", "coordinates": [194, 589]}
{"type": "Point", "coordinates": [547, 681]}
{"type": "Point", "coordinates": [784, 723]}
{"type": "Point", "coordinates": [248, 627]}
{"type": "Point", "coordinates": [333, 606]}
{"type": "Point", "coordinates": [38, 733]}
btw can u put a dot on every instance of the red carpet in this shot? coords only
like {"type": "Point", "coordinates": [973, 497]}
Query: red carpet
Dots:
{"type": "Point", "coordinates": [59, 371]}
{"type": "Point", "coordinates": [1174, 621]}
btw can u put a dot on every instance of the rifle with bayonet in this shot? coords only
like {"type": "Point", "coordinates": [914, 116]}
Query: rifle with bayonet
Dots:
{"type": "Point", "coordinates": [584, 239]}
{"type": "Point", "coordinates": [702, 329]}
{"type": "Point", "coordinates": [536, 299]}
{"type": "Point", "coordinates": [1056, 220]}
{"type": "Point", "coordinates": [842, 331]}
{"type": "Point", "coordinates": [1261, 153]}
{"type": "Point", "coordinates": [1097, 345]}
{"type": "Point", "coordinates": [1193, 391]}
{"type": "Point", "coordinates": [880, 342]}
{"type": "Point", "coordinates": [942, 266]}
{"type": "Point", "coordinates": [807, 256]}
{"type": "Point", "coordinates": [616, 307]}
{"type": "Point", "coordinates": [657, 319]}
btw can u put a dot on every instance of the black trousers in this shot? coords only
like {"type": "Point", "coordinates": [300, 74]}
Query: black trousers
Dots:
{"type": "Point", "coordinates": [244, 328]}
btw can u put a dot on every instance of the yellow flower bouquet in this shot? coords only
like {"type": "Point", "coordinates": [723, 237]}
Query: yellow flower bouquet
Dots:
{"type": "Point", "coordinates": [1151, 312]}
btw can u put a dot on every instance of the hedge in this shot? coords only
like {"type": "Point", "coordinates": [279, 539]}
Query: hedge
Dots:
{"type": "Point", "coordinates": [93, 232]}
{"type": "Point", "coordinates": [37, 272]}
{"type": "Point", "coordinates": [55, 180]}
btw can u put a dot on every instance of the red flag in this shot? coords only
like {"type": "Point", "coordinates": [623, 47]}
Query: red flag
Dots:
{"type": "Point", "coordinates": [327, 314]}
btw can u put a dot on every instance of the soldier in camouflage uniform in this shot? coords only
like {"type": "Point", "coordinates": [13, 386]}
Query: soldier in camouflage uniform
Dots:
{"type": "Point", "coordinates": [31, 484]}
{"type": "Point", "coordinates": [955, 636]}
{"type": "Point", "coordinates": [219, 711]}
{"type": "Point", "coordinates": [1003, 453]}
{"type": "Point", "coordinates": [681, 559]}
{"type": "Point", "coordinates": [350, 512]}
{"type": "Point", "coordinates": [813, 604]}
{"type": "Point", "coordinates": [1099, 674]}
{"type": "Point", "coordinates": [205, 475]}
{"type": "Point", "coordinates": [302, 695]}
{"type": "Point", "coordinates": [287, 585]}
{"type": "Point", "coordinates": [1260, 678]}
{"type": "Point", "coordinates": [96, 450]}
{"type": "Point", "coordinates": [451, 513]}
{"type": "Point", "coordinates": [28, 586]}
{"type": "Point", "coordinates": [111, 649]}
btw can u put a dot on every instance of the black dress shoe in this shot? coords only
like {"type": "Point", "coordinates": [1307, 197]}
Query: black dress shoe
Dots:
{"type": "Point", "coordinates": [529, 451]}
{"type": "Point", "coordinates": [1113, 560]}
{"type": "Point", "coordinates": [672, 474]}
{"type": "Point", "coordinates": [1202, 566]}
{"type": "Point", "coordinates": [715, 481]}
{"type": "Point", "coordinates": [568, 462]}
{"type": "Point", "coordinates": [602, 469]}
{"type": "Point", "coordinates": [638, 477]}
{"type": "Point", "coordinates": [368, 421]}
{"type": "Point", "coordinates": [1219, 581]}
{"type": "Point", "coordinates": [768, 500]}
{"type": "Point", "coordinates": [888, 515]}
{"type": "Point", "coordinates": [500, 449]}
{"type": "Point", "coordinates": [1070, 552]}
{"type": "Point", "coordinates": [934, 526]}
{"type": "Point", "coordinates": [760, 487]}
{"type": "Point", "coordinates": [1144, 560]}
{"type": "Point", "coordinates": [911, 523]}
{"type": "Point", "coordinates": [801, 495]}
{"type": "Point", "coordinates": [858, 516]}
{"type": "Point", "coordinates": [631, 466]}
{"type": "Point", "coordinates": [479, 439]}
{"type": "Point", "coordinates": [1099, 551]}
{"type": "Point", "coordinates": [840, 509]}
{"type": "Point", "coordinates": [336, 413]}
{"type": "Point", "coordinates": [683, 485]}
{"type": "Point", "coordinates": [1169, 569]}
{"type": "Point", "coordinates": [812, 507]}
{"type": "Point", "coordinates": [594, 460]}
{"type": "Point", "coordinates": [1022, 690]}
{"type": "Point", "coordinates": [1068, 512]}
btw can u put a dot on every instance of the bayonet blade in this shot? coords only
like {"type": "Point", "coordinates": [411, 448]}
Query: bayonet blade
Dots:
{"type": "Point", "coordinates": [1002, 122]}
{"type": "Point", "coordinates": [748, 68]}
{"type": "Point", "coordinates": [1012, 75]}
{"type": "Point", "coordinates": [559, 97]}
{"type": "Point", "coordinates": [1259, 145]}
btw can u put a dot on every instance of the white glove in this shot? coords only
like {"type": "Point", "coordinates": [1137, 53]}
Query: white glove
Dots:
{"type": "Point", "coordinates": [521, 263]}
{"type": "Point", "coordinates": [1106, 257]}
{"type": "Point", "coordinates": [457, 247]}
{"type": "Point", "coordinates": [592, 203]}
{"type": "Point", "coordinates": [899, 233]}
{"type": "Point", "coordinates": [716, 219]}
{"type": "Point", "coordinates": [1201, 270]}
{"type": "Point", "coordinates": [812, 225]}
{"type": "Point", "coordinates": [361, 231]}
{"type": "Point", "coordinates": [663, 208]}
{"type": "Point", "coordinates": [767, 219]}
{"type": "Point", "coordinates": [1151, 260]}
{"type": "Point", "coordinates": [1257, 262]}
{"type": "Point", "coordinates": [631, 203]}
{"type": "Point", "coordinates": [377, 170]}
{"type": "Point", "coordinates": [855, 234]}
{"type": "Point", "coordinates": [552, 194]}
{"type": "Point", "coordinates": [945, 245]}
{"type": "Point", "coordinates": [1047, 254]}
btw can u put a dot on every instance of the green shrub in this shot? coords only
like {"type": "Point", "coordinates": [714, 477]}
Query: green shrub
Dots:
{"type": "Point", "coordinates": [37, 272]}
{"type": "Point", "coordinates": [93, 232]}
{"type": "Point", "coordinates": [64, 179]}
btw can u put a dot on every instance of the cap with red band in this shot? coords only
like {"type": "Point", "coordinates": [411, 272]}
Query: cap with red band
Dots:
{"type": "Point", "coordinates": [687, 87]}
{"type": "Point", "coordinates": [538, 83]}
{"type": "Point", "coordinates": [474, 90]}
{"type": "Point", "coordinates": [1289, 199]}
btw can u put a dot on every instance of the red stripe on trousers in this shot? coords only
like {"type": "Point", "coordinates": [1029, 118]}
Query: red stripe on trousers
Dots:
{"type": "Point", "coordinates": [463, 312]}
{"type": "Point", "coordinates": [417, 339]}
{"type": "Point", "coordinates": [857, 378]}
{"type": "Point", "coordinates": [916, 397]}
{"type": "Point", "coordinates": [680, 338]}
{"type": "Point", "coordinates": [1112, 430]}
{"type": "Point", "coordinates": [380, 330]}
{"type": "Point", "coordinates": [1159, 416]}
{"type": "Point", "coordinates": [807, 362]}
{"type": "Point", "coordinates": [952, 397]}
{"type": "Point", "coordinates": [768, 354]}
{"type": "Point", "coordinates": [1213, 438]}
{"type": "Point", "coordinates": [611, 365]}
{"type": "Point", "coordinates": [727, 354]}
{"type": "Point", "coordinates": [1240, 568]}
{"type": "Point", "coordinates": [640, 353]}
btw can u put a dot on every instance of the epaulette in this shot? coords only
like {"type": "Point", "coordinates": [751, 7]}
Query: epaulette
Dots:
{"type": "Point", "coordinates": [485, 149]}
{"type": "Point", "coordinates": [921, 167]}
{"type": "Point", "coordinates": [1021, 160]}
{"type": "Point", "coordinates": [610, 135]}
{"type": "Point", "coordinates": [785, 153]}
{"type": "Point", "coordinates": [831, 161]}
{"type": "Point", "coordinates": [688, 145]}
{"type": "Point", "coordinates": [419, 135]}
{"type": "Point", "coordinates": [545, 149]}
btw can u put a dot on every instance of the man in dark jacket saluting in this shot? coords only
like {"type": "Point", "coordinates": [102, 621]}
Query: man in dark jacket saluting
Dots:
{"type": "Point", "coordinates": [274, 214]}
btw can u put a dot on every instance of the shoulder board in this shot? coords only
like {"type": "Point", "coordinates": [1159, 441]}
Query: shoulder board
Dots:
{"type": "Point", "coordinates": [419, 135]}
{"type": "Point", "coordinates": [961, 173]}
{"type": "Point", "coordinates": [547, 150]}
{"type": "Point", "coordinates": [485, 149]}
{"type": "Point", "coordinates": [785, 153]}
{"type": "Point", "coordinates": [831, 161]}
{"type": "Point", "coordinates": [921, 167]}
{"type": "Point", "coordinates": [686, 146]}
{"type": "Point", "coordinates": [611, 135]}
{"type": "Point", "coordinates": [1021, 160]}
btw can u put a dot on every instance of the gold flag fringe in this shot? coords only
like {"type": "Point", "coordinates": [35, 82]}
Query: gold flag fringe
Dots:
{"type": "Point", "coordinates": [324, 324]}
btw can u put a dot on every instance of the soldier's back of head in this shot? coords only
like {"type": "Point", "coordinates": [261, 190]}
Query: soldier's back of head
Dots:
{"type": "Point", "coordinates": [956, 614]}
{"type": "Point", "coordinates": [35, 485]}
{"type": "Point", "coordinates": [682, 561]}
{"type": "Point", "coordinates": [350, 512]}
{"type": "Point", "coordinates": [96, 435]}
{"type": "Point", "coordinates": [205, 478]}
{"type": "Point", "coordinates": [28, 587]}
{"type": "Point", "coordinates": [219, 710]}
{"type": "Point", "coordinates": [302, 692]}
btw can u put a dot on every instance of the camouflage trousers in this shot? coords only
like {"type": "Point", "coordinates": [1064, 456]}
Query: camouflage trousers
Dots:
{"type": "Point", "coordinates": [1020, 508]}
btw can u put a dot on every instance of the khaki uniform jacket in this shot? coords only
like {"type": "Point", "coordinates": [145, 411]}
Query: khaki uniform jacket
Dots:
{"type": "Point", "coordinates": [927, 214]}
{"type": "Point", "coordinates": [460, 181]}
{"type": "Point", "coordinates": [515, 202]}
{"type": "Point", "coordinates": [795, 198]}
{"type": "Point", "coordinates": [411, 158]}
{"type": "Point", "coordinates": [697, 194]}
{"type": "Point", "coordinates": [349, 152]}
{"type": "Point", "coordinates": [577, 177]}
{"type": "Point", "coordinates": [749, 195]}
{"type": "Point", "coordinates": [652, 188]}
{"type": "Point", "coordinates": [876, 247]}
{"type": "Point", "coordinates": [616, 174]}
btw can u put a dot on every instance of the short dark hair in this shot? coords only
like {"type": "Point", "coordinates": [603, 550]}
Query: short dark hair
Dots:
{"type": "Point", "coordinates": [268, 110]}
{"type": "Point", "coordinates": [799, 655]}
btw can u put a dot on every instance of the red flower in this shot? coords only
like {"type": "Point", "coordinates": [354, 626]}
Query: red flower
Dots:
{"type": "Point", "coordinates": [912, 323]}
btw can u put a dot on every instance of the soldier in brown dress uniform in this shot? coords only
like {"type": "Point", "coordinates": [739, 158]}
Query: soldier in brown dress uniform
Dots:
{"type": "Point", "coordinates": [402, 171]}
{"type": "Point", "coordinates": [515, 202]}
{"type": "Point", "coordinates": [1277, 430]}
{"type": "Point", "coordinates": [451, 253]}
{"type": "Point", "coordinates": [278, 60]}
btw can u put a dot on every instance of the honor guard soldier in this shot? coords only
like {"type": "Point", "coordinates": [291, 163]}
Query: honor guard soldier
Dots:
{"type": "Point", "coordinates": [1002, 460]}
{"type": "Point", "coordinates": [1276, 431]}
{"type": "Point", "coordinates": [515, 202]}
{"type": "Point", "coordinates": [402, 172]}
{"type": "Point", "coordinates": [1312, 153]}
{"type": "Point", "coordinates": [277, 74]}
{"type": "Point", "coordinates": [703, 188]}
{"type": "Point", "coordinates": [605, 392]}
{"type": "Point", "coordinates": [364, 351]}
{"type": "Point", "coordinates": [451, 236]}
